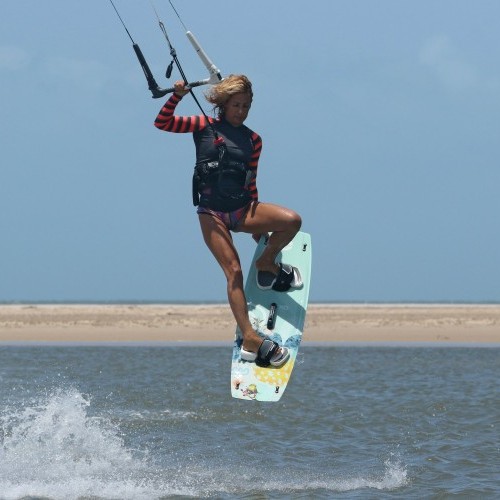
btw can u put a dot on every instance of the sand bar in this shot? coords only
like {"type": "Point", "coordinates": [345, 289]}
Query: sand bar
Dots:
{"type": "Point", "coordinates": [34, 323]}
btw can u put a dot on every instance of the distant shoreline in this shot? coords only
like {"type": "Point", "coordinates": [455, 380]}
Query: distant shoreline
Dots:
{"type": "Point", "coordinates": [223, 303]}
{"type": "Point", "coordinates": [343, 324]}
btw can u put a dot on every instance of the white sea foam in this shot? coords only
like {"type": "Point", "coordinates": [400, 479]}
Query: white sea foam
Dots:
{"type": "Point", "coordinates": [395, 476]}
{"type": "Point", "coordinates": [288, 483]}
{"type": "Point", "coordinates": [54, 449]}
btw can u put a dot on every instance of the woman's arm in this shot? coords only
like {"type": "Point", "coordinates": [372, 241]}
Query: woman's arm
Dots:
{"type": "Point", "coordinates": [253, 165]}
{"type": "Point", "coordinates": [167, 121]}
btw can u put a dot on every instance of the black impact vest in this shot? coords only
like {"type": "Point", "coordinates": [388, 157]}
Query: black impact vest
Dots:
{"type": "Point", "coordinates": [220, 181]}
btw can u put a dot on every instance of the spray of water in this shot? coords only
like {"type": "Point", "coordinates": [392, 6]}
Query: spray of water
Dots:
{"type": "Point", "coordinates": [55, 448]}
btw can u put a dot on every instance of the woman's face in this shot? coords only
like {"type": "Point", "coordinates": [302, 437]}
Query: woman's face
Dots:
{"type": "Point", "coordinates": [236, 108]}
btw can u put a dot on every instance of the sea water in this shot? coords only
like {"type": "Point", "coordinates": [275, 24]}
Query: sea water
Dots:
{"type": "Point", "coordinates": [153, 422]}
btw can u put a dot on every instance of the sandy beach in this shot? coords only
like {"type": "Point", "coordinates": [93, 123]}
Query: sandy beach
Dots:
{"type": "Point", "coordinates": [25, 323]}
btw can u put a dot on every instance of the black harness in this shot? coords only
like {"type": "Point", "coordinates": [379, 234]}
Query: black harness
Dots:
{"type": "Point", "coordinates": [221, 185]}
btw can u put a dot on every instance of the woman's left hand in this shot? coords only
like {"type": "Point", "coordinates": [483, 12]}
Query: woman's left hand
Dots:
{"type": "Point", "coordinates": [180, 88]}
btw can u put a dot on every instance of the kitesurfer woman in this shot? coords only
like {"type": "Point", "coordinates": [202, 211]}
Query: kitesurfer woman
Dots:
{"type": "Point", "coordinates": [225, 191]}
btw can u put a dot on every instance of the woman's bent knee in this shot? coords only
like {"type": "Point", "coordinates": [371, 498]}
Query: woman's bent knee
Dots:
{"type": "Point", "coordinates": [295, 221]}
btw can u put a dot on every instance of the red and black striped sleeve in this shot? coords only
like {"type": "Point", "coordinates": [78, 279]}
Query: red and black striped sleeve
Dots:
{"type": "Point", "coordinates": [253, 165]}
{"type": "Point", "coordinates": [167, 121]}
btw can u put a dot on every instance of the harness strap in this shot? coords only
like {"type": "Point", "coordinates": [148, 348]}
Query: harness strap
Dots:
{"type": "Point", "coordinates": [204, 170]}
{"type": "Point", "coordinates": [215, 164]}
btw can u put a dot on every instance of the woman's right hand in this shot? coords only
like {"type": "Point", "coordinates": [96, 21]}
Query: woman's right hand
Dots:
{"type": "Point", "coordinates": [180, 88]}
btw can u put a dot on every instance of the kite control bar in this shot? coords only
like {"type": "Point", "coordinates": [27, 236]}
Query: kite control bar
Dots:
{"type": "Point", "coordinates": [215, 75]}
{"type": "Point", "coordinates": [156, 90]}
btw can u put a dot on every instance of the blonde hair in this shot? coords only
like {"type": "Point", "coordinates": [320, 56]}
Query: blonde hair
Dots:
{"type": "Point", "coordinates": [219, 94]}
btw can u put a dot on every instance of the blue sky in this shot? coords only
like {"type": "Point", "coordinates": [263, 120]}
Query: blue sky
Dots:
{"type": "Point", "coordinates": [380, 123]}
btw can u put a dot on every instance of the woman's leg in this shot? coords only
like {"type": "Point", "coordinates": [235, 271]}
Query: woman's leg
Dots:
{"type": "Point", "coordinates": [282, 222]}
{"type": "Point", "coordinates": [219, 241]}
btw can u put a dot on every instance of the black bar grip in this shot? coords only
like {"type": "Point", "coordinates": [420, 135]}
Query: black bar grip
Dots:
{"type": "Point", "coordinates": [155, 89]}
{"type": "Point", "coordinates": [161, 92]}
{"type": "Point", "coordinates": [153, 86]}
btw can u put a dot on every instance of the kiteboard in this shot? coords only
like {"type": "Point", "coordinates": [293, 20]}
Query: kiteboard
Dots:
{"type": "Point", "coordinates": [276, 315]}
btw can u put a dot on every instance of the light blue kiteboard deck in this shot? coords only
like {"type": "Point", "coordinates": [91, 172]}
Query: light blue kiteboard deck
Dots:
{"type": "Point", "coordinates": [277, 315]}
